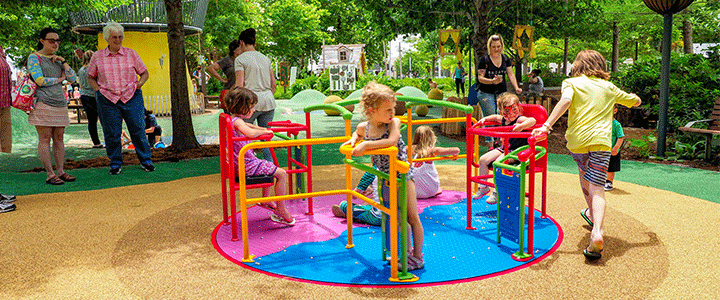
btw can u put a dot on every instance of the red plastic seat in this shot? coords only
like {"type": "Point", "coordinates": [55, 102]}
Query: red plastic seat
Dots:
{"type": "Point", "coordinates": [539, 166]}
{"type": "Point", "coordinates": [227, 166]}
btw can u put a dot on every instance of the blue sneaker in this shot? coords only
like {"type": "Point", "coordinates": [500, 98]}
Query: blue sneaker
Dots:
{"type": "Point", "coordinates": [159, 145]}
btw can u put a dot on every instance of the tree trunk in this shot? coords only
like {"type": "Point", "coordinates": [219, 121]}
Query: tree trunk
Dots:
{"type": "Point", "coordinates": [615, 48]}
{"type": "Point", "coordinates": [687, 37]}
{"type": "Point", "coordinates": [565, 55]}
{"type": "Point", "coordinates": [479, 38]}
{"type": "Point", "coordinates": [183, 131]}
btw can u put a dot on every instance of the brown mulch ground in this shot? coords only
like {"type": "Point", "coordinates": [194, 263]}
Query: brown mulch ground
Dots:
{"type": "Point", "coordinates": [130, 158]}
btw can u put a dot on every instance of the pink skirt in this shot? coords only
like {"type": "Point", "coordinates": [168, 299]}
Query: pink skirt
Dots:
{"type": "Point", "coordinates": [49, 116]}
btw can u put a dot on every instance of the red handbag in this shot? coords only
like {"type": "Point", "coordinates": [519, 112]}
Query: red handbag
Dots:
{"type": "Point", "coordinates": [25, 94]}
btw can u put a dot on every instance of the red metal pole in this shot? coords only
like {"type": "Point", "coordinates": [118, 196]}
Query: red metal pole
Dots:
{"type": "Point", "coordinates": [469, 146]}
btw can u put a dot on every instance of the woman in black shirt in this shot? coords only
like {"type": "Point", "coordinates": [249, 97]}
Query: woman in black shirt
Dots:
{"type": "Point", "coordinates": [491, 75]}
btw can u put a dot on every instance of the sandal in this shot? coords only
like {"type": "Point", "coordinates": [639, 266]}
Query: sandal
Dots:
{"type": "Point", "coordinates": [583, 213]}
{"type": "Point", "coordinates": [413, 263]}
{"type": "Point", "coordinates": [67, 177]}
{"type": "Point", "coordinates": [594, 250]}
{"type": "Point", "coordinates": [54, 180]}
{"type": "Point", "coordinates": [279, 219]}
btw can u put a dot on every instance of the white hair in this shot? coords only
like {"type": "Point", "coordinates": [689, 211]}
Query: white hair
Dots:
{"type": "Point", "coordinates": [112, 26]}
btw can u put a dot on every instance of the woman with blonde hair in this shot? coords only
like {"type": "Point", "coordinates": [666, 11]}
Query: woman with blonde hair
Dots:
{"type": "Point", "coordinates": [492, 69]}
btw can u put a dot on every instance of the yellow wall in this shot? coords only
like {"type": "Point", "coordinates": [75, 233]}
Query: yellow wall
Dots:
{"type": "Point", "coordinates": [152, 48]}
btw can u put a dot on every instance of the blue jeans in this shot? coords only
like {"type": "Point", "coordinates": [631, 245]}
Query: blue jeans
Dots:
{"type": "Point", "coordinates": [488, 103]}
{"type": "Point", "coordinates": [111, 118]}
{"type": "Point", "coordinates": [263, 118]}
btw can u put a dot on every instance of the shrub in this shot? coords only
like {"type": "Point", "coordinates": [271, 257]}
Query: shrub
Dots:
{"type": "Point", "coordinates": [693, 86]}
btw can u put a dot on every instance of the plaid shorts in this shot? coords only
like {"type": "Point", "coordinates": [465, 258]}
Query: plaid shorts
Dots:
{"type": "Point", "coordinates": [594, 164]}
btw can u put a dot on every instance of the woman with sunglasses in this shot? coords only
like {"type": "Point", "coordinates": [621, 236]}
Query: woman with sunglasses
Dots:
{"type": "Point", "coordinates": [50, 114]}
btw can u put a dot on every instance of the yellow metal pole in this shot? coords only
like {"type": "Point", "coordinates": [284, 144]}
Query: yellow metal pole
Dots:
{"type": "Point", "coordinates": [243, 211]}
{"type": "Point", "coordinates": [393, 219]}
{"type": "Point", "coordinates": [349, 208]}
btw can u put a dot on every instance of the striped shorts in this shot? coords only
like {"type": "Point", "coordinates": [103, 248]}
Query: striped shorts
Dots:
{"type": "Point", "coordinates": [594, 164]}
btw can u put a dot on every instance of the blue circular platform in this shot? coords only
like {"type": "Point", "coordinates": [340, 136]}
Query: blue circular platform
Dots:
{"type": "Point", "coordinates": [314, 249]}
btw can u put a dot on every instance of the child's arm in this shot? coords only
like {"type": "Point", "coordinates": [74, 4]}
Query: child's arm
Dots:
{"type": "Point", "coordinates": [491, 118]}
{"type": "Point", "coordinates": [248, 131]}
{"type": "Point", "coordinates": [253, 126]}
{"type": "Point", "coordinates": [525, 123]}
{"type": "Point", "coordinates": [359, 134]}
{"type": "Point", "coordinates": [452, 151]}
{"type": "Point", "coordinates": [392, 140]}
{"type": "Point", "coordinates": [557, 112]}
{"type": "Point", "coordinates": [615, 150]}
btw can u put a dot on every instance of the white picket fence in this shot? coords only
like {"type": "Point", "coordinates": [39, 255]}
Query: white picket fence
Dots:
{"type": "Point", "coordinates": [161, 105]}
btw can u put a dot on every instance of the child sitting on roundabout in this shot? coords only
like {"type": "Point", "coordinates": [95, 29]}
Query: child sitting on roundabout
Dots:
{"type": "Point", "coordinates": [240, 103]}
{"type": "Point", "coordinates": [427, 180]}
{"type": "Point", "coordinates": [511, 115]}
{"type": "Point", "coordinates": [382, 130]}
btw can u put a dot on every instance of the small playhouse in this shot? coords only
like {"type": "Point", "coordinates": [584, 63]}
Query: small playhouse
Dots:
{"type": "Point", "coordinates": [344, 63]}
{"type": "Point", "coordinates": [145, 24]}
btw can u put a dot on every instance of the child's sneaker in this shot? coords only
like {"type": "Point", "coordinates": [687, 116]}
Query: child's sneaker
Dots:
{"type": "Point", "coordinates": [481, 191]}
{"type": "Point", "coordinates": [492, 198]}
{"type": "Point", "coordinates": [337, 211]}
{"type": "Point", "coordinates": [608, 186]}
{"type": "Point", "coordinates": [413, 263]}
{"type": "Point", "coordinates": [7, 198]}
{"type": "Point", "coordinates": [6, 206]}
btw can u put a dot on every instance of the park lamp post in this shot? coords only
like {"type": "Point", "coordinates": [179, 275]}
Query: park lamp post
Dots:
{"type": "Point", "coordinates": [666, 8]}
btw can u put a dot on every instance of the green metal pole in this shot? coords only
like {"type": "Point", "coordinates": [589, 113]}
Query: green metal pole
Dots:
{"type": "Point", "coordinates": [664, 84]}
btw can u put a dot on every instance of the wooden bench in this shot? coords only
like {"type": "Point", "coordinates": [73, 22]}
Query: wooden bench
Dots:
{"type": "Point", "coordinates": [713, 128]}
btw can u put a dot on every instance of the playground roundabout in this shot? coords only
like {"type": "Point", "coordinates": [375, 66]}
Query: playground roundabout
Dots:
{"type": "Point", "coordinates": [314, 249]}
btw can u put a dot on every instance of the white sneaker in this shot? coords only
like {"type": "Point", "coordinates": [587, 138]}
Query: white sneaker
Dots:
{"type": "Point", "coordinates": [6, 206]}
{"type": "Point", "coordinates": [481, 191]}
{"type": "Point", "coordinates": [608, 186]}
{"type": "Point", "coordinates": [7, 198]}
{"type": "Point", "coordinates": [492, 198]}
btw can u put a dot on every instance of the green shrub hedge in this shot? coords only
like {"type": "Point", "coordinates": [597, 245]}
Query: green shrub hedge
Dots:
{"type": "Point", "coordinates": [694, 85]}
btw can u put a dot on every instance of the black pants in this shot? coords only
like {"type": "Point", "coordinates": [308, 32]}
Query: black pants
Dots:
{"type": "Point", "coordinates": [459, 86]}
{"type": "Point", "coordinates": [90, 107]}
{"type": "Point", "coordinates": [151, 136]}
